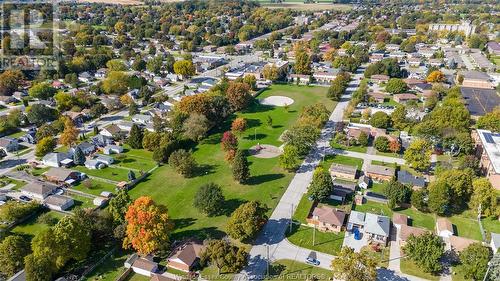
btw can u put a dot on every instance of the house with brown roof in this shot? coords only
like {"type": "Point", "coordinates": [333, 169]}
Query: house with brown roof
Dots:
{"type": "Point", "coordinates": [377, 97]}
{"type": "Point", "coordinates": [59, 202]}
{"type": "Point", "coordinates": [444, 228]}
{"type": "Point", "coordinates": [61, 175]}
{"type": "Point", "coordinates": [142, 265]}
{"type": "Point", "coordinates": [404, 98]}
{"type": "Point", "coordinates": [343, 171]}
{"type": "Point", "coordinates": [406, 231]}
{"type": "Point", "coordinates": [379, 78]}
{"type": "Point", "coordinates": [342, 189]}
{"type": "Point", "coordinates": [185, 257]}
{"type": "Point", "coordinates": [475, 79]}
{"type": "Point", "coordinates": [380, 173]}
{"type": "Point", "coordinates": [459, 244]}
{"type": "Point", "coordinates": [327, 219]}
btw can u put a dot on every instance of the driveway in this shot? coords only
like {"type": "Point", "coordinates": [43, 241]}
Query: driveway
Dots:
{"type": "Point", "coordinates": [356, 245]}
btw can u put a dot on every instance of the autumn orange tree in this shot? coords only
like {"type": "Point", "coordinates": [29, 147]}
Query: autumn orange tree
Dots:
{"type": "Point", "coordinates": [148, 226]}
{"type": "Point", "coordinates": [239, 125]}
{"type": "Point", "coordinates": [436, 76]}
{"type": "Point", "coordinates": [70, 133]}
{"type": "Point", "coordinates": [238, 95]}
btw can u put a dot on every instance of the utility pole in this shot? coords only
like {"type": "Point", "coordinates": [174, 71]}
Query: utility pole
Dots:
{"type": "Point", "coordinates": [314, 234]}
{"type": "Point", "coordinates": [267, 250]}
{"type": "Point", "coordinates": [291, 220]}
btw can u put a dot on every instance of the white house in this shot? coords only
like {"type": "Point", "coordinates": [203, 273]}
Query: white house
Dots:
{"type": "Point", "coordinates": [110, 130]}
{"type": "Point", "coordinates": [444, 227]}
{"type": "Point", "coordinates": [495, 242]}
{"type": "Point", "coordinates": [142, 119]}
{"type": "Point", "coordinates": [38, 190]}
{"type": "Point", "coordinates": [99, 201]}
{"type": "Point", "coordinates": [108, 160]}
{"type": "Point", "coordinates": [140, 265]}
{"type": "Point", "coordinates": [364, 182]}
{"type": "Point", "coordinates": [94, 164]}
{"type": "Point", "coordinates": [59, 202]}
{"type": "Point", "coordinates": [54, 159]}
{"type": "Point", "coordinates": [112, 149]}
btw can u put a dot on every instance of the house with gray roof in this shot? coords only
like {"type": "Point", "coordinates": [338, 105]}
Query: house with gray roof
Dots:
{"type": "Point", "coordinates": [38, 190]}
{"type": "Point", "coordinates": [407, 178]}
{"type": "Point", "coordinates": [377, 227]}
{"type": "Point", "coordinates": [356, 220]}
{"type": "Point", "coordinates": [59, 202]}
{"type": "Point", "coordinates": [495, 242]}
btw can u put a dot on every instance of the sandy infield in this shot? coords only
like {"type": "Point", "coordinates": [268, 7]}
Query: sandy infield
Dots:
{"type": "Point", "coordinates": [265, 151]}
{"type": "Point", "coordinates": [276, 101]}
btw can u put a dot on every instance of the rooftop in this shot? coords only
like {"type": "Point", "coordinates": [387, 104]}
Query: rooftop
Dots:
{"type": "Point", "coordinates": [491, 144]}
{"type": "Point", "coordinates": [480, 101]}
{"type": "Point", "coordinates": [375, 224]}
{"type": "Point", "coordinates": [329, 215]}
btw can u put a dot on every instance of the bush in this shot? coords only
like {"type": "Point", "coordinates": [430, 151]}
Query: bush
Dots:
{"type": "Point", "coordinates": [13, 210]}
{"type": "Point", "coordinates": [382, 144]}
{"type": "Point", "coordinates": [183, 162]}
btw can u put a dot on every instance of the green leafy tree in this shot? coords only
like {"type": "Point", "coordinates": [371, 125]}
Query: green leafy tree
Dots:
{"type": "Point", "coordinates": [380, 119]}
{"type": "Point", "coordinates": [474, 261]}
{"type": "Point", "coordinates": [183, 162]}
{"type": "Point", "coordinates": [321, 186]}
{"type": "Point", "coordinates": [350, 265]}
{"type": "Point", "coordinates": [450, 192]}
{"type": "Point", "coordinates": [290, 159]}
{"type": "Point", "coordinates": [13, 249]}
{"type": "Point", "coordinates": [135, 138]}
{"type": "Point", "coordinates": [224, 256]}
{"type": "Point", "coordinates": [209, 199]}
{"type": "Point", "coordinates": [381, 144]}
{"type": "Point", "coordinates": [78, 156]}
{"type": "Point", "coordinates": [490, 121]}
{"type": "Point", "coordinates": [396, 86]}
{"type": "Point", "coordinates": [185, 68]}
{"type": "Point", "coordinates": [118, 206]}
{"type": "Point", "coordinates": [38, 268]}
{"type": "Point", "coordinates": [247, 220]}
{"type": "Point", "coordinates": [196, 127]}
{"type": "Point", "coordinates": [73, 239]}
{"type": "Point", "coordinates": [39, 114]}
{"type": "Point", "coordinates": [425, 251]}
{"type": "Point", "coordinates": [484, 197]}
{"type": "Point", "coordinates": [116, 83]}
{"type": "Point", "coordinates": [398, 117]}
{"type": "Point", "coordinates": [397, 193]}
{"type": "Point", "coordinates": [303, 137]}
{"type": "Point", "coordinates": [42, 90]}
{"type": "Point", "coordinates": [302, 62]}
{"type": "Point", "coordinates": [363, 139]}
{"type": "Point", "coordinates": [133, 109]}
{"type": "Point", "coordinates": [44, 146]}
{"type": "Point", "coordinates": [418, 154]}
{"type": "Point", "coordinates": [240, 168]}
{"type": "Point", "coordinates": [419, 200]}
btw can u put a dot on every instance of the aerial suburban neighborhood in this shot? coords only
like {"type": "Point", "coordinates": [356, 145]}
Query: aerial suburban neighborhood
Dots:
{"type": "Point", "coordinates": [249, 140]}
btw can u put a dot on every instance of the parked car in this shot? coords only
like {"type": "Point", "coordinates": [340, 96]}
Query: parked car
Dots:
{"type": "Point", "coordinates": [312, 261]}
{"type": "Point", "coordinates": [24, 198]}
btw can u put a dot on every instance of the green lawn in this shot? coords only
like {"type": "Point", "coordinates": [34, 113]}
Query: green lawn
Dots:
{"type": "Point", "coordinates": [97, 187]}
{"type": "Point", "coordinates": [302, 210]}
{"type": "Point", "coordinates": [408, 267]}
{"type": "Point", "coordinates": [388, 154]}
{"type": "Point", "coordinates": [325, 242]}
{"type": "Point", "coordinates": [418, 219]}
{"type": "Point", "coordinates": [32, 227]}
{"type": "Point", "coordinates": [137, 159]}
{"type": "Point", "coordinates": [377, 187]}
{"type": "Point", "coordinates": [356, 148]}
{"type": "Point", "coordinates": [341, 159]}
{"type": "Point", "coordinates": [292, 270]}
{"type": "Point", "coordinates": [382, 163]}
{"type": "Point", "coordinates": [82, 202]}
{"type": "Point", "coordinates": [110, 269]}
{"type": "Point", "coordinates": [4, 181]}
{"type": "Point", "coordinates": [110, 173]}
{"type": "Point", "coordinates": [267, 183]}
{"type": "Point", "coordinates": [39, 171]}
{"type": "Point", "coordinates": [491, 225]}
{"type": "Point", "coordinates": [137, 277]}
{"type": "Point", "coordinates": [466, 227]}
{"type": "Point", "coordinates": [382, 256]}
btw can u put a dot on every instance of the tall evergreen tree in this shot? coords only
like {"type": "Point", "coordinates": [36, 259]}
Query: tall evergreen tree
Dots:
{"type": "Point", "coordinates": [135, 138]}
{"type": "Point", "coordinates": [78, 156]}
{"type": "Point", "coordinates": [241, 172]}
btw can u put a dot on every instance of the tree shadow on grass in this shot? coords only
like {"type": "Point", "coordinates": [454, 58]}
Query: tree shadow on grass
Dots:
{"type": "Point", "coordinates": [202, 234]}
{"type": "Point", "coordinates": [183, 222]}
{"type": "Point", "coordinates": [251, 123]}
{"type": "Point", "coordinates": [204, 169]}
{"type": "Point", "coordinates": [212, 139]}
{"type": "Point", "coordinates": [256, 180]}
{"type": "Point", "coordinates": [255, 136]}
{"type": "Point", "coordinates": [230, 205]}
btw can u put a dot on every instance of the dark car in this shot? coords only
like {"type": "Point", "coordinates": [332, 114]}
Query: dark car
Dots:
{"type": "Point", "coordinates": [312, 261]}
{"type": "Point", "coordinates": [24, 198]}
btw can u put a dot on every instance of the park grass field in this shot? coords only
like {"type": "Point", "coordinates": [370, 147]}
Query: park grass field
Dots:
{"type": "Point", "coordinates": [325, 242]}
{"type": "Point", "coordinates": [266, 184]}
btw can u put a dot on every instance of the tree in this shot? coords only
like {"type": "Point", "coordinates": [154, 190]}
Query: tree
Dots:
{"type": "Point", "coordinates": [450, 192]}
{"type": "Point", "coordinates": [42, 90]}
{"type": "Point", "coordinates": [241, 171]}
{"type": "Point", "coordinates": [436, 76]}
{"type": "Point", "coordinates": [394, 146]}
{"type": "Point", "coordinates": [251, 81]}
{"type": "Point", "coordinates": [38, 268]}
{"type": "Point", "coordinates": [271, 72]}
{"type": "Point", "coordinates": [418, 154]}
{"type": "Point", "coordinates": [196, 127]}
{"type": "Point", "coordinates": [419, 199]}
{"type": "Point", "coordinates": [44, 146]}
{"type": "Point", "coordinates": [70, 134]}
{"type": "Point", "coordinates": [209, 199]}
{"type": "Point", "coordinates": [183, 162]}
{"type": "Point", "coordinates": [398, 117]}
{"type": "Point", "coordinates": [302, 62]}
{"type": "Point", "coordinates": [135, 138]}
{"type": "Point", "coordinates": [349, 265]}
{"type": "Point", "coordinates": [78, 156]}
{"type": "Point", "coordinates": [380, 119]}
{"type": "Point", "coordinates": [290, 159]}
{"type": "Point", "coordinates": [10, 81]}
{"type": "Point", "coordinates": [13, 249]}
{"type": "Point", "coordinates": [425, 251]}
{"type": "Point", "coordinates": [238, 95]}
{"type": "Point", "coordinates": [154, 65]}
{"type": "Point", "coordinates": [73, 240]}
{"type": "Point", "coordinates": [396, 86]}
{"type": "Point", "coordinates": [381, 144]}
{"type": "Point", "coordinates": [484, 197]}
{"type": "Point", "coordinates": [269, 121]}
{"type": "Point", "coordinates": [118, 206]}
{"type": "Point", "coordinates": [321, 186]}
{"type": "Point", "coordinates": [229, 141]}
{"type": "Point", "coordinates": [185, 68]}
{"type": "Point", "coordinates": [116, 65]}
{"type": "Point", "coordinates": [302, 137]}
{"type": "Point", "coordinates": [247, 220]}
{"type": "Point", "coordinates": [39, 114]}
{"type": "Point", "coordinates": [116, 83]}
{"type": "Point", "coordinates": [490, 121]}
{"type": "Point", "coordinates": [224, 256]}
{"type": "Point", "coordinates": [133, 109]}
{"type": "Point", "coordinates": [239, 125]}
{"type": "Point", "coordinates": [474, 261]}
{"type": "Point", "coordinates": [397, 193]}
{"type": "Point", "coordinates": [363, 139]}
{"type": "Point", "coordinates": [148, 226]}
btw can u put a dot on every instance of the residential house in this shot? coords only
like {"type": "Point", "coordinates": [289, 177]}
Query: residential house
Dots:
{"type": "Point", "coordinates": [9, 144]}
{"type": "Point", "coordinates": [493, 48]}
{"type": "Point", "coordinates": [6, 100]}
{"type": "Point", "coordinates": [85, 77]}
{"type": "Point", "coordinates": [379, 78]}
{"type": "Point", "coordinates": [86, 147]}
{"type": "Point", "coordinates": [111, 131]}
{"type": "Point", "coordinates": [327, 219]}
{"type": "Point", "coordinates": [475, 79]}
{"type": "Point", "coordinates": [495, 242]}
{"type": "Point", "coordinates": [108, 160]}
{"type": "Point", "coordinates": [407, 178]}
{"type": "Point", "coordinates": [377, 97]}
{"type": "Point", "coordinates": [380, 173]}
{"type": "Point", "coordinates": [94, 164]}
{"type": "Point", "coordinates": [185, 257]}
{"type": "Point", "coordinates": [142, 265]}
{"type": "Point", "coordinates": [399, 219]}
{"type": "Point", "coordinates": [112, 149]}
{"type": "Point", "coordinates": [38, 190]}
{"type": "Point", "coordinates": [364, 182]}
{"type": "Point", "coordinates": [444, 228]}
{"type": "Point", "coordinates": [406, 231]}
{"type": "Point", "coordinates": [125, 126]}
{"type": "Point", "coordinates": [378, 228]}
{"type": "Point", "coordinates": [342, 189]}
{"type": "Point", "coordinates": [421, 87]}
{"type": "Point", "coordinates": [301, 78]}
{"type": "Point", "coordinates": [458, 244]}
{"type": "Point", "coordinates": [325, 77]}
{"type": "Point", "coordinates": [414, 62]}
{"type": "Point", "coordinates": [404, 98]}
{"type": "Point", "coordinates": [142, 119]}
{"type": "Point", "coordinates": [102, 140]}
{"type": "Point", "coordinates": [59, 202]}
{"type": "Point", "coordinates": [61, 175]}
{"type": "Point", "coordinates": [57, 159]}
{"type": "Point", "coordinates": [488, 153]}
{"type": "Point", "coordinates": [77, 117]}
{"type": "Point", "coordinates": [100, 201]}
{"type": "Point", "coordinates": [343, 171]}
{"type": "Point", "coordinates": [29, 137]}
{"type": "Point", "coordinates": [356, 220]}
